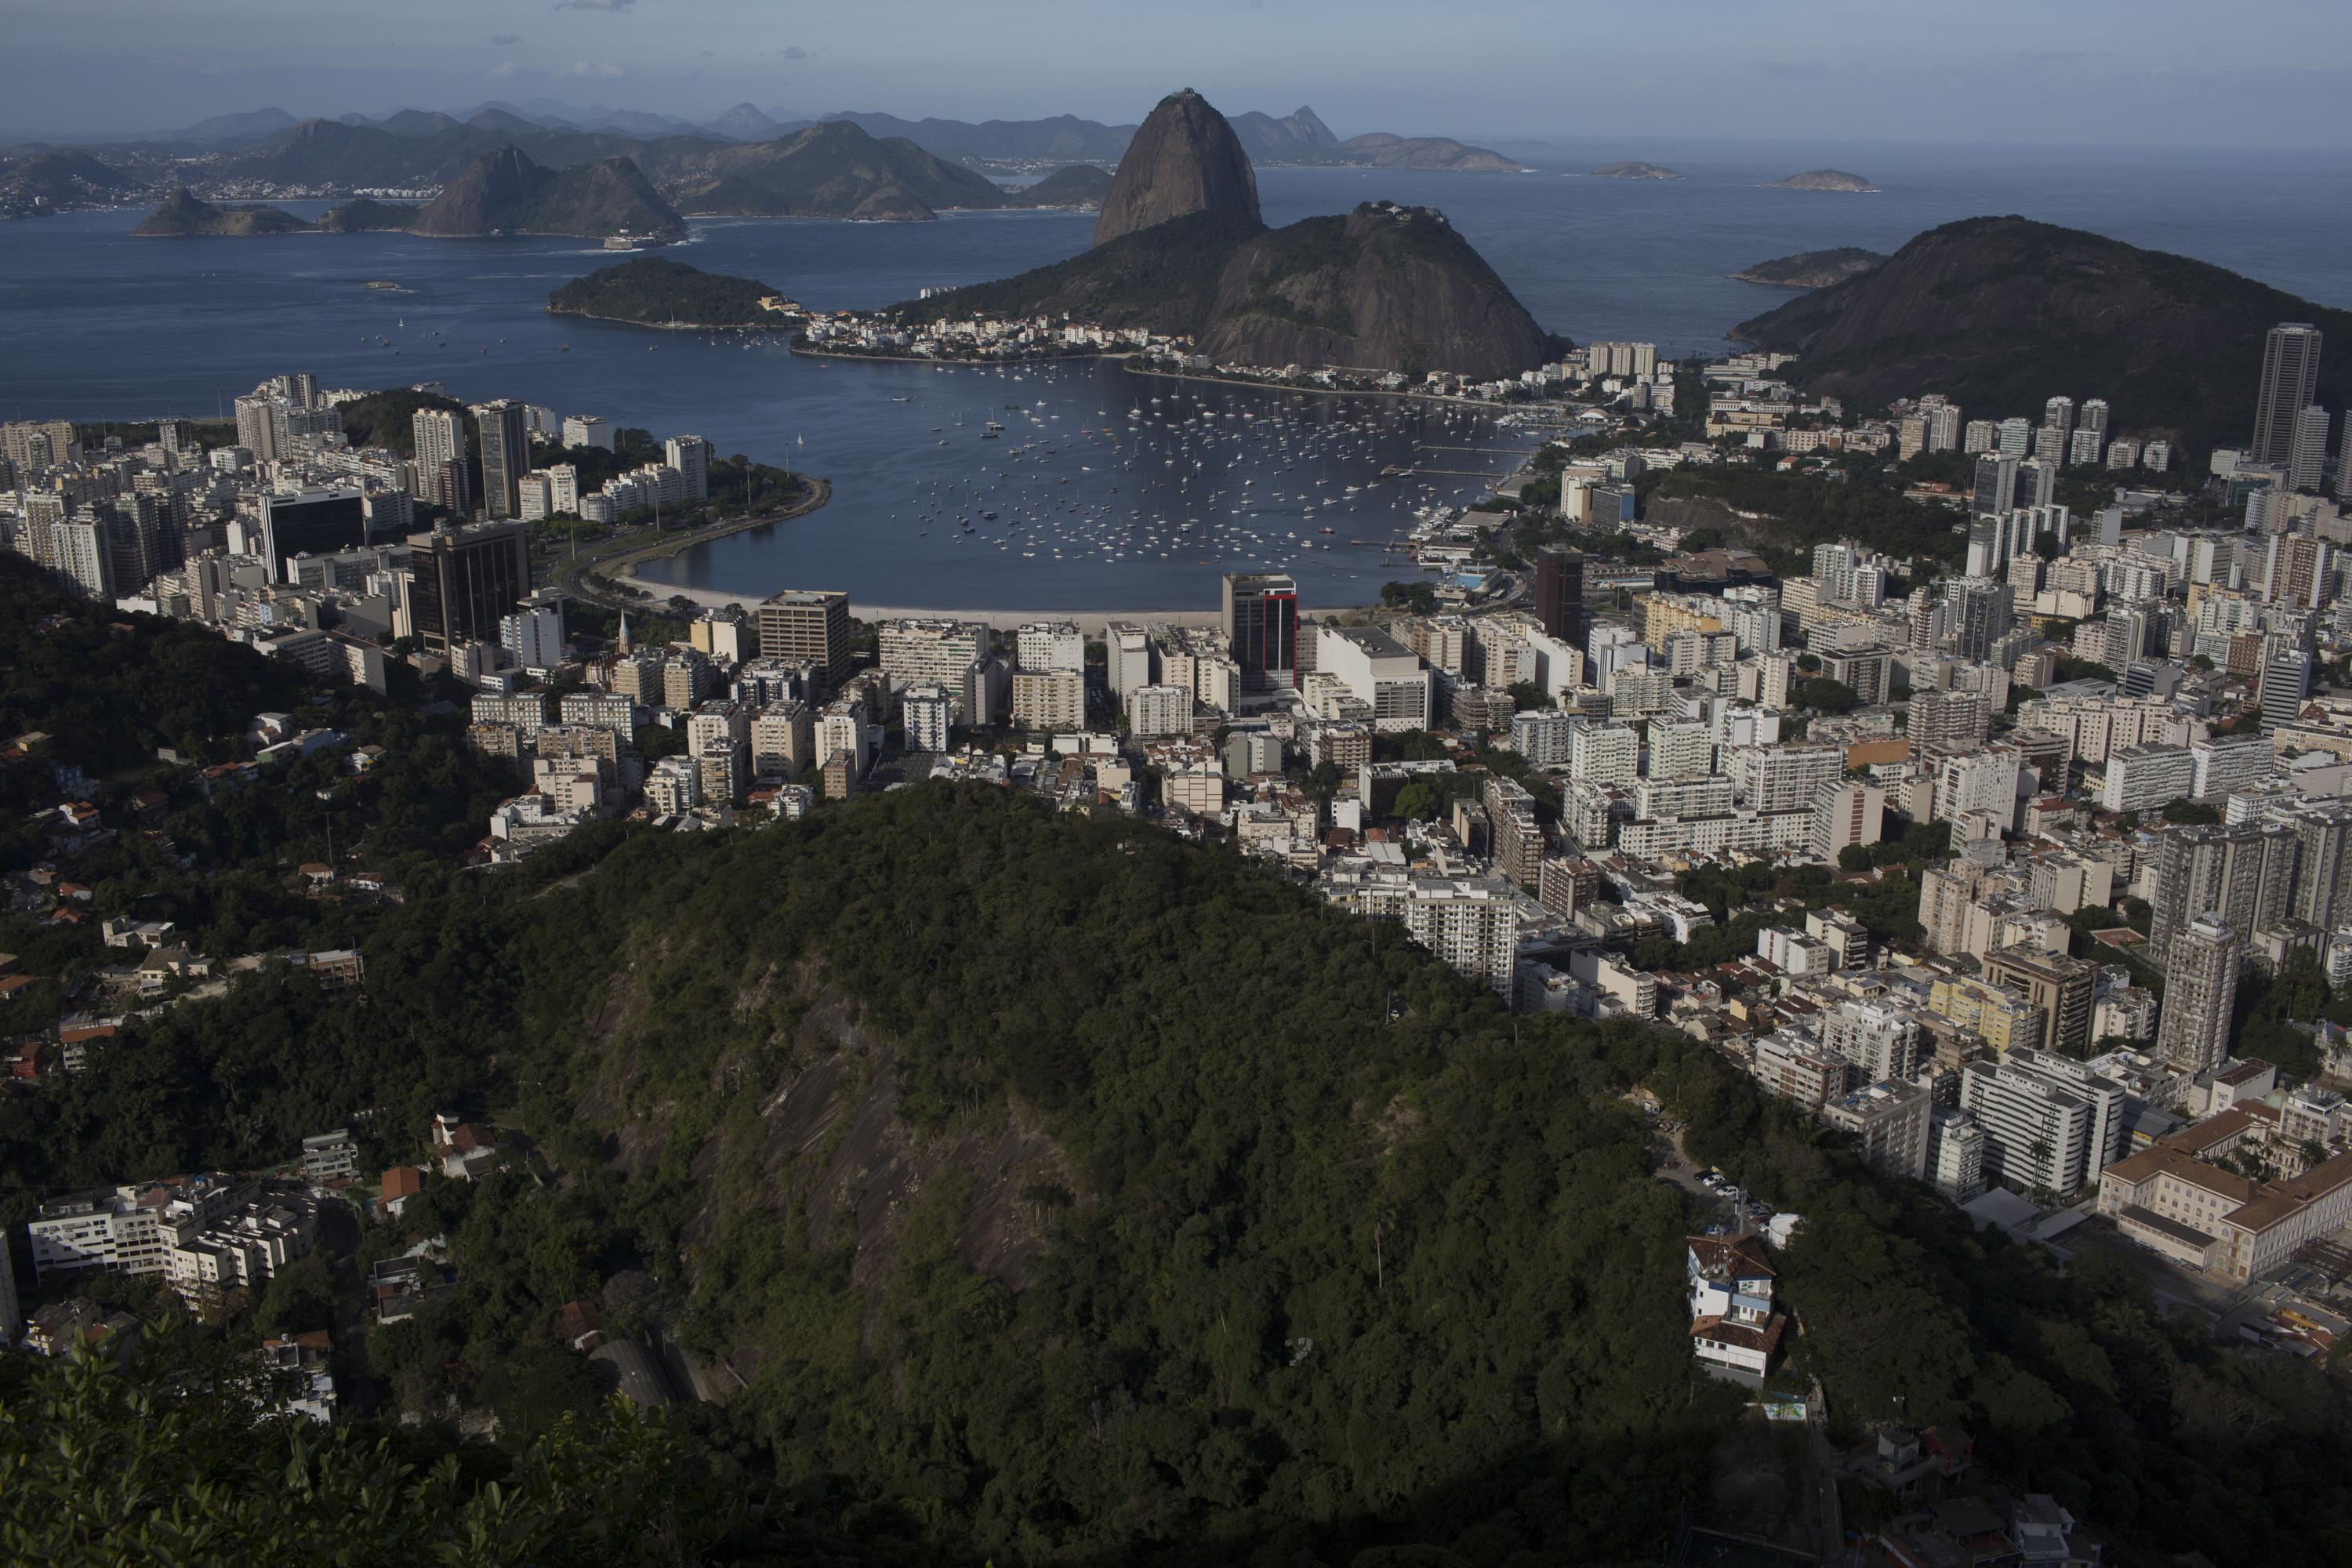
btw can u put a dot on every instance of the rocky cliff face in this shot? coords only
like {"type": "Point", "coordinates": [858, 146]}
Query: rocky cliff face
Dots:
{"type": "Point", "coordinates": [505, 192]}
{"type": "Point", "coordinates": [1185, 159]}
{"type": "Point", "coordinates": [1385, 288]}
{"type": "Point", "coordinates": [2002, 313]}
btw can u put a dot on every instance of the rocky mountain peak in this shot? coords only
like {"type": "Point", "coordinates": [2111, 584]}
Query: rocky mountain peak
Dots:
{"type": "Point", "coordinates": [1185, 159]}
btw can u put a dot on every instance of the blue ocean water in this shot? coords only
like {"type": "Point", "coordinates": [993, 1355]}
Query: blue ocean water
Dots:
{"type": "Point", "coordinates": [96, 324]}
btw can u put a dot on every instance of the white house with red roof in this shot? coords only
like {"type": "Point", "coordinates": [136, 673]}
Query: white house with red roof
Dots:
{"type": "Point", "coordinates": [1735, 1332]}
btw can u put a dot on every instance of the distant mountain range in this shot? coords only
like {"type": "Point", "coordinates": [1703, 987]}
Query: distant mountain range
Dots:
{"type": "Point", "coordinates": [1300, 137]}
{"type": "Point", "coordinates": [502, 192]}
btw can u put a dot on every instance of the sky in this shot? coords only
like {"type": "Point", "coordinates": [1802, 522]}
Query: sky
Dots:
{"type": "Point", "coordinates": [2174, 73]}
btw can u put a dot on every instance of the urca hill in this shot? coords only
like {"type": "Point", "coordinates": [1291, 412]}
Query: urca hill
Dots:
{"type": "Point", "coordinates": [1180, 247]}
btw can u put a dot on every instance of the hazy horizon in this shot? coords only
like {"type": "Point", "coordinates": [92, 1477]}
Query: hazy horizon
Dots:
{"type": "Point", "coordinates": [2005, 72]}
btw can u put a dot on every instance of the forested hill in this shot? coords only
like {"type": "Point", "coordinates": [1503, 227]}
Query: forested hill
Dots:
{"type": "Point", "coordinates": [659, 292]}
{"type": "Point", "coordinates": [2001, 312]}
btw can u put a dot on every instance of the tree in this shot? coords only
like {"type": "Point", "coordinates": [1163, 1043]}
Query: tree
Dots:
{"type": "Point", "coordinates": [1417, 801]}
{"type": "Point", "coordinates": [156, 1463]}
{"type": "Point", "coordinates": [1418, 597]}
{"type": "Point", "coordinates": [1825, 695]}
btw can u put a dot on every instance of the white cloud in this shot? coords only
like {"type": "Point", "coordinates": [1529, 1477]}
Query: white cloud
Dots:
{"type": "Point", "coordinates": [594, 4]}
{"type": "Point", "coordinates": [506, 70]}
{"type": "Point", "coordinates": [502, 39]}
{"type": "Point", "coordinates": [601, 70]}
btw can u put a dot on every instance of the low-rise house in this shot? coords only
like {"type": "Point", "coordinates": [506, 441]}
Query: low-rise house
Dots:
{"type": "Point", "coordinates": [1735, 1332]}
{"type": "Point", "coordinates": [465, 1150]}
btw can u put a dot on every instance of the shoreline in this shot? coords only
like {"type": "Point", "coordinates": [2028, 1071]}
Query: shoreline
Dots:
{"type": "Point", "coordinates": [995, 619]}
{"type": "Point", "coordinates": [662, 326]}
{"type": "Point", "coordinates": [796, 347]}
{"type": "Point", "coordinates": [618, 565]}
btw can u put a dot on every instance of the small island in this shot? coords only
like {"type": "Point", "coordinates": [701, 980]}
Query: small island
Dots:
{"type": "Point", "coordinates": [1632, 172]}
{"type": "Point", "coordinates": [1824, 180]}
{"type": "Point", "coordinates": [655, 292]}
{"type": "Point", "coordinates": [182, 215]}
{"type": "Point", "coordinates": [1081, 186]}
{"type": "Point", "coordinates": [365, 216]}
{"type": "Point", "coordinates": [1812, 268]}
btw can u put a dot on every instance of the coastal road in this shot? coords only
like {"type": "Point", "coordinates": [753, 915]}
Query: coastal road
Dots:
{"type": "Point", "coordinates": [571, 573]}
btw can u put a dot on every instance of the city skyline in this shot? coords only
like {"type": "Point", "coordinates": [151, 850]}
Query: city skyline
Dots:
{"type": "Point", "coordinates": [2007, 73]}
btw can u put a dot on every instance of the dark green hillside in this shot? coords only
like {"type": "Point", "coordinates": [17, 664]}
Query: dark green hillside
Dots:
{"type": "Point", "coordinates": [659, 292]}
{"type": "Point", "coordinates": [2002, 313]}
{"type": "Point", "coordinates": [1079, 186]}
{"type": "Point", "coordinates": [387, 418]}
{"type": "Point", "coordinates": [1164, 277]}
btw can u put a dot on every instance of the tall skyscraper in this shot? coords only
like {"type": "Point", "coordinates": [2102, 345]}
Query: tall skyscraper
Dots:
{"type": "Point", "coordinates": [2058, 414]}
{"type": "Point", "coordinates": [506, 455]}
{"type": "Point", "coordinates": [2200, 988]}
{"type": "Point", "coordinates": [440, 437]}
{"type": "Point", "coordinates": [2290, 385]}
{"type": "Point", "coordinates": [2094, 415]}
{"type": "Point", "coordinates": [802, 625]}
{"type": "Point", "coordinates": [1261, 625]}
{"type": "Point", "coordinates": [2306, 457]}
{"type": "Point", "coordinates": [466, 581]}
{"type": "Point", "coordinates": [2343, 464]}
{"type": "Point", "coordinates": [2016, 437]}
{"type": "Point", "coordinates": [1559, 594]}
{"type": "Point", "coordinates": [2285, 682]}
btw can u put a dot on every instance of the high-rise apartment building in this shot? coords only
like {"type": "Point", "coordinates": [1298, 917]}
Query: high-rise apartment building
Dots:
{"type": "Point", "coordinates": [1470, 922]}
{"type": "Point", "coordinates": [2242, 872]}
{"type": "Point", "coordinates": [2286, 683]}
{"type": "Point", "coordinates": [257, 427]}
{"type": "Point", "coordinates": [2064, 988]}
{"type": "Point", "coordinates": [691, 456]}
{"type": "Point", "coordinates": [440, 438]}
{"type": "Point", "coordinates": [2200, 988]}
{"type": "Point", "coordinates": [505, 441]}
{"type": "Point", "coordinates": [32, 445]}
{"type": "Point", "coordinates": [802, 625]}
{"type": "Point", "coordinates": [1518, 835]}
{"type": "Point", "coordinates": [2306, 457]}
{"type": "Point", "coordinates": [2290, 384]}
{"type": "Point", "coordinates": [1261, 626]}
{"type": "Point", "coordinates": [915, 651]}
{"type": "Point", "coordinates": [2050, 1122]}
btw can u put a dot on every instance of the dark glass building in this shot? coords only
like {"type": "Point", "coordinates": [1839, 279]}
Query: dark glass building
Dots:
{"type": "Point", "coordinates": [1261, 626]}
{"type": "Point", "coordinates": [1559, 594]}
{"type": "Point", "coordinates": [464, 580]}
